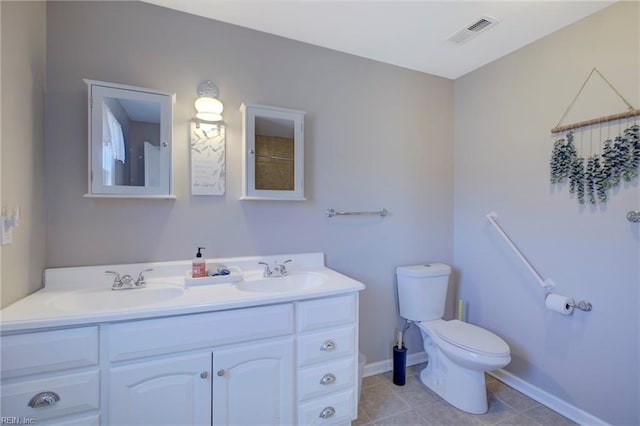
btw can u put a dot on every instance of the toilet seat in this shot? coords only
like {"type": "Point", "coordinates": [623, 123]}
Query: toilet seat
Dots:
{"type": "Point", "coordinates": [471, 338]}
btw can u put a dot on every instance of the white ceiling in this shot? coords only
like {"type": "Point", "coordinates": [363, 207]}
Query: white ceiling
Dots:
{"type": "Point", "coordinates": [410, 34]}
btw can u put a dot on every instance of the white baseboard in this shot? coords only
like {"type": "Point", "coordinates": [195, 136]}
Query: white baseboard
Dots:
{"type": "Point", "coordinates": [387, 365]}
{"type": "Point", "coordinates": [543, 397]}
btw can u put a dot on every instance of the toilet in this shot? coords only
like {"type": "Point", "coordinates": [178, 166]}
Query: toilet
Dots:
{"type": "Point", "coordinates": [459, 353]}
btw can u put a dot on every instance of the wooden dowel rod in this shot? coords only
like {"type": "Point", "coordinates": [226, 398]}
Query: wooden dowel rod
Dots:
{"type": "Point", "coordinates": [630, 113]}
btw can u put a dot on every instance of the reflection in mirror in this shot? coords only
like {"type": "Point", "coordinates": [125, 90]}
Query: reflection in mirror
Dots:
{"type": "Point", "coordinates": [131, 142]}
{"type": "Point", "coordinates": [274, 154]}
{"type": "Point", "coordinates": [130, 132]}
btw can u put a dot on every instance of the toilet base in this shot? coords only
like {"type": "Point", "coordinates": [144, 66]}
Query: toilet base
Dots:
{"type": "Point", "coordinates": [461, 387]}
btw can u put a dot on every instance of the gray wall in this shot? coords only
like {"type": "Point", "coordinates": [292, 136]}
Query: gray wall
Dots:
{"type": "Point", "coordinates": [23, 78]}
{"type": "Point", "coordinates": [376, 136]}
{"type": "Point", "coordinates": [503, 114]}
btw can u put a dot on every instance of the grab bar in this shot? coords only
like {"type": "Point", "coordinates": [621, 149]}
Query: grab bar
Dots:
{"type": "Point", "coordinates": [332, 212]}
{"type": "Point", "coordinates": [546, 284]}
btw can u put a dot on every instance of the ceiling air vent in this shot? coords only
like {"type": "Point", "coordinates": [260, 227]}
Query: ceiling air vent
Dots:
{"type": "Point", "coordinates": [474, 29]}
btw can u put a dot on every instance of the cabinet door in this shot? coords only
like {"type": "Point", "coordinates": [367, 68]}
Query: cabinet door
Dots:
{"type": "Point", "coordinates": [253, 384]}
{"type": "Point", "coordinates": [273, 152]}
{"type": "Point", "coordinates": [130, 130]}
{"type": "Point", "coordinates": [171, 391]}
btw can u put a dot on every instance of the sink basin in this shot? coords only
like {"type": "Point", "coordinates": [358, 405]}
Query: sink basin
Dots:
{"type": "Point", "coordinates": [107, 300]}
{"type": "Point", "coordinates": [295, 281]}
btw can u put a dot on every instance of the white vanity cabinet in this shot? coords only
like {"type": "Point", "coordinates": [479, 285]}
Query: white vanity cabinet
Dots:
{"type": "Point", "coordinates": [327, 348]}
{"type": "Point", "coordinates": [285, 363]}
{"type": "Point", "coordinates": [169, 391]}
{"type": "Point", "coordinates": [51, 377]}
{"type": "Point", "coordinates": [253, 383]}
{"type": "Point", "coordinates": [180, 389]}
{"type": "Point", "coordinates": [242, 364]}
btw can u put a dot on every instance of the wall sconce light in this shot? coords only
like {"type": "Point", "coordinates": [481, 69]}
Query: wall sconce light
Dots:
{"type": "Point", "coordinates": [208, 106]}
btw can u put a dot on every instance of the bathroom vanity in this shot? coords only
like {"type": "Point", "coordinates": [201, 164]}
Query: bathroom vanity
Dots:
{"type": "Point", "coordinates": [226, 353]}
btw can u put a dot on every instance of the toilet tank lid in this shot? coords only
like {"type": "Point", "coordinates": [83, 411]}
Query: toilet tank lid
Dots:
{"type": "Point", "coordinates": [424, 270]}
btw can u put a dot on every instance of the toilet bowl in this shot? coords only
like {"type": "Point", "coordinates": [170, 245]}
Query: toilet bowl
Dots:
{"type": "Point", "coordinates": [458, 353]}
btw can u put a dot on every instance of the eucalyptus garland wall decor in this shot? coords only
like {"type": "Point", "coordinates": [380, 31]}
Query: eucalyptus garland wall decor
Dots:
{"type": "Point", "coordinates": [591, 177]}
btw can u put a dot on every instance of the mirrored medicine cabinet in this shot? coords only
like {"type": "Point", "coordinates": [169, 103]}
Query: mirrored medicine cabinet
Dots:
{"type": "Point", "coordinates": [130, 142]}
{"type": "Point", "coordinates": [273, 153]}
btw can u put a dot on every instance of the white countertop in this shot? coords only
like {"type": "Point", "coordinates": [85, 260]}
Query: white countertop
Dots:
{"type": "Point", "coordinates": [39, 310]}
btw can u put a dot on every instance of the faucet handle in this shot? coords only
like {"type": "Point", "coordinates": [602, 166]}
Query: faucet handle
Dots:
{"type": "Point", "coordinates": [267, 269]}
{"type": "Point", "coordinates": [140, 281]}
{"type": "Point", "coordinates": [117, 282]}
{"type": "Point", "coordinates": [281, 268]}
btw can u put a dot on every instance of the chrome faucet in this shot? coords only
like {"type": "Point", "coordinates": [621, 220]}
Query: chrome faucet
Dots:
{"type": "Point", "coordinates": [279, 270]}
{"type": "Point", "coordinates": [126, 282]}
{"type": "Point", "coordinates": [267, 270]}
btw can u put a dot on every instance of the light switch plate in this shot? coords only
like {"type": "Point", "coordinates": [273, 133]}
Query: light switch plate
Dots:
{"type": "Point", "coordinates": [6, 232]}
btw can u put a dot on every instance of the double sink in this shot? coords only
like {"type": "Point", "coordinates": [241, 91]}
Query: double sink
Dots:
{"type": "Point", "coordinates": [163, 290]}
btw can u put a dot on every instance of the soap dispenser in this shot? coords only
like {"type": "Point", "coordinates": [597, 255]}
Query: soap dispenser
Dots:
{"type": "Point", "coordinates": [199, 267]}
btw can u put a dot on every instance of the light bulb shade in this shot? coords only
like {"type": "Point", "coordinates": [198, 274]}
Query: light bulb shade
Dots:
{"type": "Point", "coordinates": [209, 105]}
{"type": "Point", "coordinates": [208, 116]}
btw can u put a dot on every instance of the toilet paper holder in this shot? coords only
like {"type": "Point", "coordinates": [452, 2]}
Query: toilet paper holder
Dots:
{"type": "Point", "coordinates": [564, 304]}
{"type": "Point", "coordinates": [583, 305]}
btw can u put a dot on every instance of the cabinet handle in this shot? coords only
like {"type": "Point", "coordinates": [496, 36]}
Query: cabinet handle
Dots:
{"type": "Point", "coordinates": [329, 345]}
{"type": "Point", "coordinates": [328, 379]}
{"type": "Point", "coordinates": [204, 374]}
{"type": "Point", "coordinates": [44, 399]}
{"type": "Point", "coordinates": [327, 412]}
{"type": "Point", "coordinates": [221, 372]}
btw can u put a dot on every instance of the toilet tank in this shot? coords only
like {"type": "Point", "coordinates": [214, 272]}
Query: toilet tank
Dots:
{"type": "Point", "coordinates": [422, 291]}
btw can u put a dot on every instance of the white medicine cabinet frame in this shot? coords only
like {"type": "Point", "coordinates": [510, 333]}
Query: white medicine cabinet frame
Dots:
{"type": "Point", "coordinates": [130, 141]}
{"type": "Point", "coordinates": [273, 153]}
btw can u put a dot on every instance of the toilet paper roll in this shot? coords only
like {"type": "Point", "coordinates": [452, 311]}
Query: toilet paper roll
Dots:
{"type": "Point", "coordinates": [558, 303]}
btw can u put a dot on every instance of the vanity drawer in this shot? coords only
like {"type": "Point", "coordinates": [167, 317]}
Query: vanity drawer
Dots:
{"type": "Point", "coordinates": [78, 392]}
{"type": "Point", "coordinates": [92, 420]}
{"type": "Point", "coordinates": [32, 353]}
{"type": "Point", "coordinates": [329, 410]}
{"type": "Point", "coordinates": [326, 345]}
{"type": "Point", "coordinates": [182, 333]}
{"type": "Point", "coordinates": [325, 378]}
{"type": "Point", "coordinates": [315, 314]}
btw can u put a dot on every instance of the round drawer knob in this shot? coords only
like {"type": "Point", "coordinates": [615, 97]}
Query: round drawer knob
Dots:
{"type": "Point", "coordinates": [328, 379]}
{"type": "Point", "coordinates": [204, 374]}
{"type": "Point", "coordinates": [327, 346]}
{"type": "Point", "coordinates": [44, 399]}
{"type": "Point", "coordinates": [327, 412]}
{"type": "Point", "coordinates": [221, 372]}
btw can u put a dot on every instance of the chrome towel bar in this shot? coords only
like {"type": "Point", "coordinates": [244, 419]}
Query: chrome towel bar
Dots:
{"type": "Point", "coordinates": [332, 213]}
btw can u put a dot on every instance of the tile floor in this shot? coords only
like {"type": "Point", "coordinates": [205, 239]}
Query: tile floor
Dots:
{"type": "Point", "coordinates": [383, 403]}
